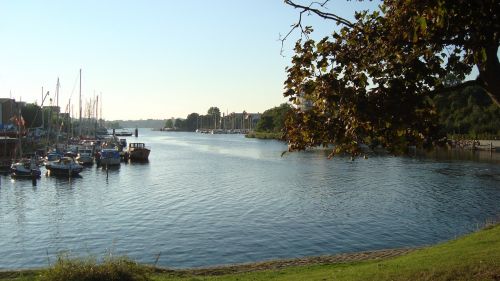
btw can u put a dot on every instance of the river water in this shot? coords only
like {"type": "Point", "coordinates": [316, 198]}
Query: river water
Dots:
{"type": "Point", "coordinates": [207, 200]}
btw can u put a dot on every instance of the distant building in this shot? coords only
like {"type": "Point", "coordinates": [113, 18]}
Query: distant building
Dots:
{"type": "Point", "coordinates": [8, 109]}
{"type": "Point", "coordinates": [304, 104]}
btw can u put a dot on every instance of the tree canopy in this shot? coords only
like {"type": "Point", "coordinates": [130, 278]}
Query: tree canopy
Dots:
{"type": "Point", "coordinates": [468, 112]}
{"type": "Point", "coordinates": [273, 120]}
{"type": "Point", "coordinates": [374, 80]}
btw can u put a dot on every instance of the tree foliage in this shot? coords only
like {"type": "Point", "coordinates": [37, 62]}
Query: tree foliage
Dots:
{"type": "Point", "coordinates": [32, 115]}
{"type": "Point", "coordinates": [273, 120]}
{"type": "Point", "coordinates": [192, 122]}
{"type": "Point", "coordinates": [468, 112]}
{"type": "Point", "coordinates": [374, 80]}
{"type": "Point", "coordinates": [169, 123]}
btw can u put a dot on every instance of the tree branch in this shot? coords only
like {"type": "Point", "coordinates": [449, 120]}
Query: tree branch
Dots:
{"type": "Point", "coordinates": [320, 13]}
{"type": "Point", "coordinates": [310, 9]}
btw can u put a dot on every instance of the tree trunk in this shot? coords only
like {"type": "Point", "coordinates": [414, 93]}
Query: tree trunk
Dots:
{"type": "Point", "coordinates": [489, 74]}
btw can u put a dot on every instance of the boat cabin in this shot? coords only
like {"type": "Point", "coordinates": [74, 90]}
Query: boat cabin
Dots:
{"type": "Point", "coordinates": [136, 145]}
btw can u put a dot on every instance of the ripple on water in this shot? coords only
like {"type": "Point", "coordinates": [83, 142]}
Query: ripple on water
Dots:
{"type": "Point", "coordinates": [207, 200]}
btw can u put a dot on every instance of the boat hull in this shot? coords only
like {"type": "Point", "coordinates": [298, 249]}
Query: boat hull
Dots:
{"type": "Point", "coordinates": [24, 170]}
{"type": "Point", "coordinates": [139, 154]}
{"type": "Point", "coordinates": [85, 160]}
{"type": "Point", "coordinates": [63, 171]}
{"type": "Point", "coordinates": [64, 166]}
{"type": "Point", "coordinates": [110, 161]}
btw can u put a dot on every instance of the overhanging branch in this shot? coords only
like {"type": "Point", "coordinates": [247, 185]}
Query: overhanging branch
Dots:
{"type": "Point", "coordinates": [311, 9]}
{"type": "Point", "coordinates": [319, 12]}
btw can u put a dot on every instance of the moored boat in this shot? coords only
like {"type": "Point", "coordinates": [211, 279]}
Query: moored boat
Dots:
{"type": "Point", "coordinates": [108, 157]}
{"type": "Point", "coordinates": [123, 133]}
{"type": "Point", "coordinates": [64, 166]}
{"type": "Point", "coordinates": [85, 156]}
{"type": "Point", "coordinates": [53, 156]}
{"type": "Point", "coordinates": [25, 168]}
{"type": "Point", "coordinates": [138, 151]}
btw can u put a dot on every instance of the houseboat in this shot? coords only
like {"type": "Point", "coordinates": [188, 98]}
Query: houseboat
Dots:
{"type": "Point", "coordinates": [138, 151]}
{"type": "Point", "coordinates": [108, 157]}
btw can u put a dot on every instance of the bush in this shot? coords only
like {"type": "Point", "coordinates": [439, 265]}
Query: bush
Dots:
{"type": "Point", "coordinates": [110, 269]}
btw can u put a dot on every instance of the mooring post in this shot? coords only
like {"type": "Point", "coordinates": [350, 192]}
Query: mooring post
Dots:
{"type": "Point", "coordinates": [107, 172]}
{"type": "Point", "coordinates": [136, 132]}
{"type": "Point", "coordinates": [33, 178]}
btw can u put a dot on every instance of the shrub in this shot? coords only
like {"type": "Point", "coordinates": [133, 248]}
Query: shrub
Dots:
{"type": "Point", "coordinates": [89, 269]}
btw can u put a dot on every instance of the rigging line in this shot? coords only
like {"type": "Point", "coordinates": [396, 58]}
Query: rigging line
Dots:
{"type": "Point", "coordinates": [72, 91]}
{"type": "Point", "coordinates": [74, 86]}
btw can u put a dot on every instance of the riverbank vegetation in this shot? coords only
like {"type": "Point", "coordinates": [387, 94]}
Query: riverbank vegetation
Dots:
{"type": "Point", "coordinates": [213, 120]}
{"type": "Point", "coordinates": [271, 123]}
{"type": "Point", "coordinates": [473, 257]}
{"type": "Point", "coordinates": [468, 114]}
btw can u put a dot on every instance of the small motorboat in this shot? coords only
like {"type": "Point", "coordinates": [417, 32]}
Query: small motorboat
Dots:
{"type": "Point", "coordinates": [123, 133]}
{"type": "Point", "coordinates": [25, 168]}
{"type": "Point", "coordinates": [64, 166]}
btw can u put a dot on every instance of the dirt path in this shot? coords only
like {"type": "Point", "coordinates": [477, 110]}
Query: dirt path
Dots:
{"type": "Point", "coordinates": [279, 264]}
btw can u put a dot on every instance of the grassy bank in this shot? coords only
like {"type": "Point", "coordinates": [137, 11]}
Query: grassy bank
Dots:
{"type": "Point", "coordinates": [264, 135]}
{"type": "Point", "coordinates": [472, 257]}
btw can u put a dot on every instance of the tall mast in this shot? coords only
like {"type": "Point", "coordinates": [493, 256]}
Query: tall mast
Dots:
{"type": "Point", "coordinates": [100, 114]}
{"type": "Point", "coordinates": [97, 110]}
{"type": "Point", "coordinates": [57, 92]}
{"type": "Point", "coordinates": [80, 118]}
{"type": "Point", "coordinates": [41, 109]}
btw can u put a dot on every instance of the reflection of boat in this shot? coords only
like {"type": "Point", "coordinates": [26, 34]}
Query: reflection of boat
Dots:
{"type": "Point", "coordinates": [109, 157]}
{"type": "Point", "coordinates": [138, 151]}
{"type": "Point", "coordinates": [64, 166]}
{"type": "Point", "coordinates": [25, 168]}
{"type": "Point", "coordinates": [85, 157]}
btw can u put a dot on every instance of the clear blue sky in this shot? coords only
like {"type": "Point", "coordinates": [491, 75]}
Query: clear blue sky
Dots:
{"type": "Point", "coordinates": [152, 58]}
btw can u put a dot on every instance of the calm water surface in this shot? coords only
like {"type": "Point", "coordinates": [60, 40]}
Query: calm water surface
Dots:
{"type": "Point", "coordinates": [216, 199]}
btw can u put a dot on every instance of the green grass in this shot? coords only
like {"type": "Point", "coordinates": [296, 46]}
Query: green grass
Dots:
{"type": "Point", "coordinates": [472, 257]}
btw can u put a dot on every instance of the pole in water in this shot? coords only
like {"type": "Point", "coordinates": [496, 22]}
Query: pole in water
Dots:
{"type": "Point", "coordinates": [136, 132]}
{"type": "Point", "coordinates": [107, 172]}
{"type": "Point", "coordinates": [33, 178]}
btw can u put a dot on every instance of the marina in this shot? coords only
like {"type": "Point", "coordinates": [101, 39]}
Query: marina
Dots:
{"type": "Point", "coordinates": [204, 200]}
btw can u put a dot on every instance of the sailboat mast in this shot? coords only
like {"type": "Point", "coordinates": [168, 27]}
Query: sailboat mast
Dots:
{"type": "Point", "coordinates": [41, 109]}
{"type": "Point", "coordinates": [80, 117]}
{"type": "Point", "coordinates": [100, 114]}
{"type": "Point", "coordinates": [57, 92]}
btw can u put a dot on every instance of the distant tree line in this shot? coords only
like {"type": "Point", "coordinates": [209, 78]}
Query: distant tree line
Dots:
{"type": "Point", "coordinates": [146, 123]}
{"type": "Point", "coordinates": [213, 119]}
{"type": "Point", "coordinates": [273, 120]}
{"type": "Point", "coordinates": [469, 112]}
